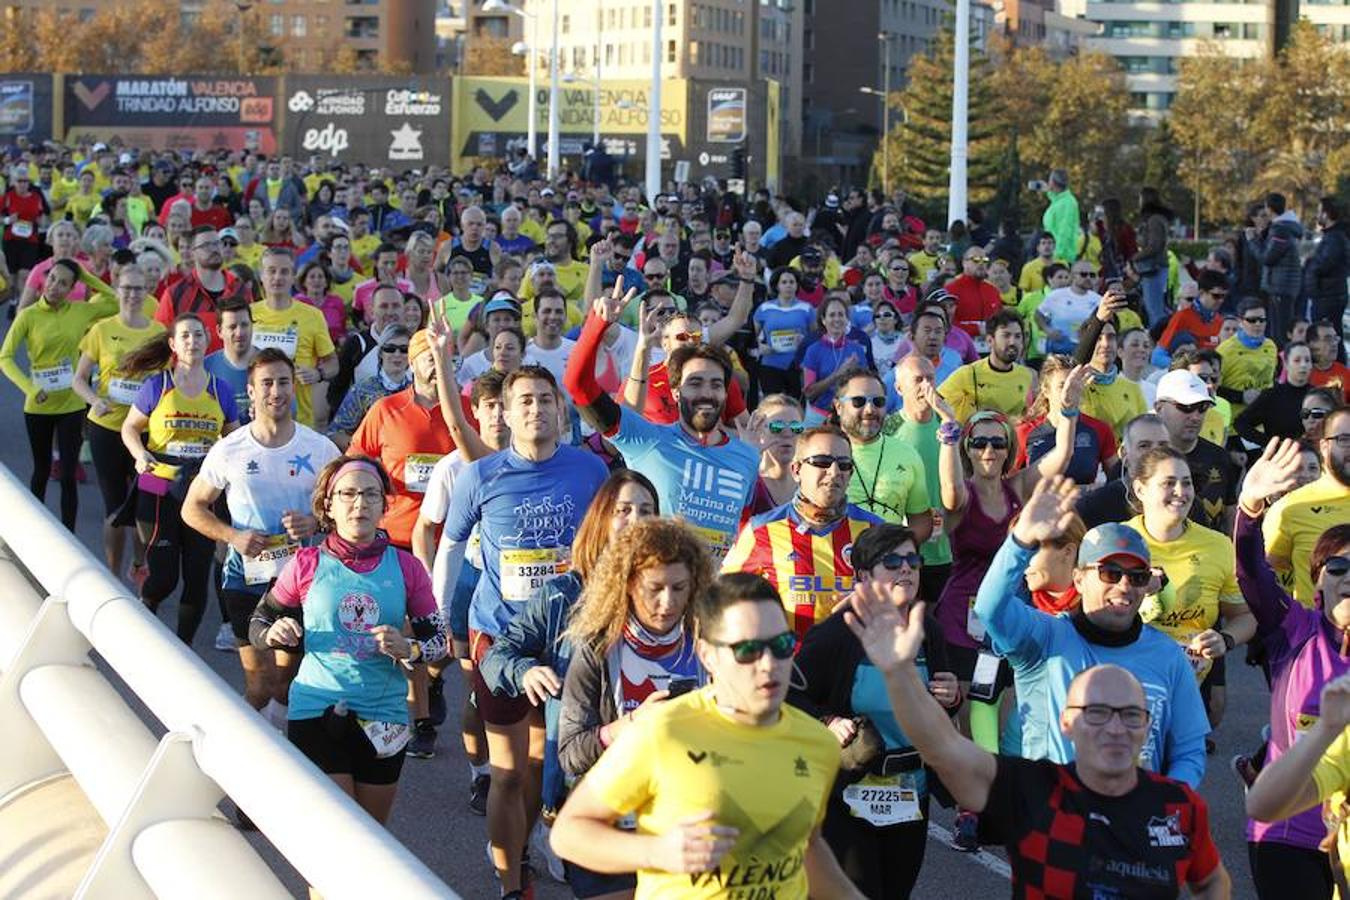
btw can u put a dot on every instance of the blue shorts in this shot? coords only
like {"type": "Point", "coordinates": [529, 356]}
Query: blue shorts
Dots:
{"type": "Point", "coordinates": [469, 576]}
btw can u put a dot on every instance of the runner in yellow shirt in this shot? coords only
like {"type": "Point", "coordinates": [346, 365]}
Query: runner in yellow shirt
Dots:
{"type": "Point", "coordinates": [1249, 357]}
{"type": "Point", "coordinates": [997, 382]}
{"type": "Point", "coordinates": [297, 329]}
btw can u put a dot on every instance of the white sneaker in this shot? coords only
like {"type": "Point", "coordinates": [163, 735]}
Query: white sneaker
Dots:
{"type": "Point", "coordinates": [225, 638]}
{"type": "Point", "coordinates": [542, 850]}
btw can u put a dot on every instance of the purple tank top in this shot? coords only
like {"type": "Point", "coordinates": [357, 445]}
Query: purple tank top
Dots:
{"type": "Point", "coordinates": [974, 542]}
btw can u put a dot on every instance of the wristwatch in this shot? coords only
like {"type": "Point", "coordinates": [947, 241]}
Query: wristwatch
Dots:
{"type": "Point", "coordinates": [1229, 642]}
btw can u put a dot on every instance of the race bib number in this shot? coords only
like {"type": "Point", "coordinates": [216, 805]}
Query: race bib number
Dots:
{"type": "Point", "coordinates": [719, 542]}
{"type": "Point", "coordinates": [974, 627]}
{"type": "Point", "coordinates": [22, 229]}
{"type": "Point", "coordinates": [523, 572]}
{"type": "Point", "coordinates": [982, 345]}
{"type": "Point", "coordinates": [55, 378]}
{"type": "Point", "coordinates": [784, 341]}
{"type": "Point", "coordinates": [1199, 664]}
{"type": "Point", "coordinates": [187, 449]}
{"type": "Point", "coordinates": [286, 341]}
{"type": "Point", "coordinates": [267, 565]}
{"type": "Point", "coordinates": [885, 799]}
{"type": "Point", "coordinates": [386, 737]}
{"type": "Point", "coordinates": [123, 390]}
{"type": "Point", "coordinates": [417, 471]}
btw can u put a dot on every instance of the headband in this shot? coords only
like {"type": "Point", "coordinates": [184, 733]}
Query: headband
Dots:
{"type": "Point", "coordinates": [353, 465]}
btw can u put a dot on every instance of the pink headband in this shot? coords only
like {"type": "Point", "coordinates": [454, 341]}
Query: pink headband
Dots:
{"type": "Point", "coordinates": [352, 465]}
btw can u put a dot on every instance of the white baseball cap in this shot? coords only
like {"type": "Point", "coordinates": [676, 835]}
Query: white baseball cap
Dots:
{"type": "Point", "coordinates": [1184, 387]}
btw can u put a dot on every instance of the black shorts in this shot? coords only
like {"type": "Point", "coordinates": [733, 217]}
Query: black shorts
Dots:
{"type": "Point", "coordinates": [22, 255]}
{"type": "Point", "coordinates": [239, 607]}
{"type": "Point", "coordinates": [1217, 677]}
{"type": "Point", "coordinates": [962, 661]}
{"type": "Point", "coordinates": [338, 746]}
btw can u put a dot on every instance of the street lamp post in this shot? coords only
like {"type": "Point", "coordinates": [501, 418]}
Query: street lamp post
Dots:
{"type": "Point", "coordinates": [956, 184]}
{"type": "Point", "coordinates": [885, 39]}
{"type": "Point", "coordinates": [553, 141]}
{"type": "Point", "coordinates": [653, 178]}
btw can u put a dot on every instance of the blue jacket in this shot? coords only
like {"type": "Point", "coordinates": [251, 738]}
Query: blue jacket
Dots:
{"type": "Point", "coordinates": [1046, 652]}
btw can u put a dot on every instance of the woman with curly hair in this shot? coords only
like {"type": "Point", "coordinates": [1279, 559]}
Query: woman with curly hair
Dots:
{"type": "Point", "coordinates": [633, 640]}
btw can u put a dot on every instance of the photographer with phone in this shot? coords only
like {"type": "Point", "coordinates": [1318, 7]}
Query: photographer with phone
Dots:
{"type": "Point", "coordinates": [633, 647]}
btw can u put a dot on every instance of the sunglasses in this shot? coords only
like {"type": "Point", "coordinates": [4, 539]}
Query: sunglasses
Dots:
{"type": "Point", "coordinates": [1098, 714]}
{"type": "Point", "coordinates": [666, 313]}
{"type": "Point", "coordinates": [899, 268]}
{"type": "Point", "coordinates": [1086, 274]}
{"type": "Point", "coordinates": [1202, 407]}
{"type": "Point", "coordinates": [1110, 573]}
{"type": "Point", "coordinates": [1254, 320]}
{"type": "Point", "coordinates": [780, 427]}
{"type": "Point", "coordinates": [979, 443]}
{"type": "Point", "coordinates": [687, 337]}
{"type": "Point", "coordinates": [885, 315]}
{"type": "Point", "coordinates": [394, 348]}
{"type": "Point", "coordinates": [825, 460]}
{"type": "Point", "coordinates": [978, 260]}
{"type": "Point", "coordinates": [747, 652]}
{"type": "Point", "coordinates": [860, 402]}
{"type": "Point", "coordinates": [1315, 414]}
{"type": "Point", "coordinates": [1337, 566]}
{"type": "Point", "coordinates": [896, 561]}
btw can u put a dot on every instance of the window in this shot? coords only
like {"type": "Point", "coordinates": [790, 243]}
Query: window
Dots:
{"type": "Point", "coordinates": [647, 53]}
{"type": "Point", "coordinates": [693, 53]}
{"type": "Point", "coordinates": [671, 16]}
{"type": "Point", "coordinates": [646, 17]}
{"type": "Point", "coordinates": [1252, 31]}
{"type": "Point", "coordinates": [809, 73]}
{"type": "Point", "coordinates": [277, 24]}
{"type": "Point", "coordinates": [566, 25]}
{"type": "Point", "coordinates": [299, 27]}
{"type": "Point", "coordinates": [623, 54]}
{"type": "Point", "coordinates": [670, 51]}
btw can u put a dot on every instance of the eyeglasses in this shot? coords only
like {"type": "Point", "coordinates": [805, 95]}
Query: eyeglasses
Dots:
{"type": "Point", "coordinates": [1254, 320]}
{"type": "Point", "coordinates": [1209, 379]}
{"type": "Point", "coordinates": [654, 276]}
{"type": "Point", "coordinates": [780, 427]}
{"type": "Point", "coordinates": [825, 460]}
{"type": "Point", "coordinates": [1088, 274]}
{"type": "Point", "coordinates": [750, 651]}
{"type": "Point", "coordinates": [858, 402]}
{"type": "Point", "coordinates": [1189, 408]}
{"type": "Point", "coordinates": [896, 561]}
{"type": "Point", "coordinates": [1337, 566]}
{"type": "Point", "coordinates": [1098, 714]}
{"type": "Point", "coordinates": [394, 348]}
{"type": "Point", "coordinates": [687, 337]}
{"type": "Point", "coordinates": [230, 243]}
{"type": "Point", "coordinates": [666, 313]}
{"type": "Point", "coordinates": [350, 495]}
{"type": "Point", "coordinates": [1110, 573]}
{"type": "Point", "coordinates": [1315, 414]}
{"type": "Point", "coordinates": [1340, 440]}
{"type": "Point", "coordinates": [899, 268]}
{"type": "Point", "coordinates": [206, 245]}
{"type": "Point", "coordinates": [979, 443]}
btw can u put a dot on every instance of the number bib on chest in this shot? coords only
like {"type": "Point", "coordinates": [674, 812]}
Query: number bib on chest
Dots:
{"type": "Point", "coordinates": [54, 378]}
{"type": "Point", "coordinates": [22, 229]}
{"type": "Point", "coordinates": [784, 341]}
{"type": "Point", "coordinates": [286, 341]}
{"type": "Point", "coordinates": [417, 471]}
{"type": "Point", "coordinates": [974, 627]}
{"type": "Point", "coordinates": [885, 799]}
{"type": "Point", "coordinates": [267, 565]}
{"type": "Point", "coordinates": [523, 572]}
{"type": "Point", "coordinates": [123, 390]}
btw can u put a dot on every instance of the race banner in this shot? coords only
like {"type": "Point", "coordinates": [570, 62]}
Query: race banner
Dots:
{"type": "Point", "coordinates": [25, 107]}
{"type": "Point", "coordinates": [400, 122]}
{"type": "Point", "coordinates": [189, 113]}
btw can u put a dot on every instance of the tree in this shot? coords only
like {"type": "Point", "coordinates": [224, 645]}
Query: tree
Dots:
{"type": "Point", "coordinates": [488, 55]}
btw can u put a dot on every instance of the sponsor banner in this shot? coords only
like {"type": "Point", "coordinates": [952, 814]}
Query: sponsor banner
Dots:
{"type": "Point", "coordinates": [25, 107]}
{"type": "Point", "coordinates": [726, 115]}
{"type": "Point", "coordinates": [193, 112]}
{"type": "Point", "coordinates": [376, 120]}
{"type": "Point", "coordinates": [491, 116]}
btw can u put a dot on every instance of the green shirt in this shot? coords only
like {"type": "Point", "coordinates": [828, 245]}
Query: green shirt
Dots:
{"type": "Point", "coordinates": [889, 479]}
{"type": "Point", "coordinates": [921, 439]}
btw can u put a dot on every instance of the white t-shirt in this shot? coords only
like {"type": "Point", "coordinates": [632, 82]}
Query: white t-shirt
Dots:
{"type": "Point", "coordinates": [435, 504]}
{"type": "Point", "coordinates": [473, 366]}
{"type": "Point", "coordinates": [1066, 311]}
{"type": "Point", "coordinates": [554, 360]}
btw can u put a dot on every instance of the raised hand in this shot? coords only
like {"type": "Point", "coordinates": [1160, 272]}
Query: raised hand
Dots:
{"type": "Point", "coordinates": [889, 629]}
{"type": "Point", "coordinates": [650, 332]}
{"type": "Point", "coordinates": [1276, 472]}
{"type": "Point", "coordinates": [744, 264]}
{"type": "Point", "coordinates": [1071, 394]}
{"type": "Point", "coordinates": [602, 250]}
{"type": "Point", "coordinates": [929, 392]}
{"type": "Point", "coordinates": [1047, 512]}
{"type": "Point", "coordinates": [611, 308]}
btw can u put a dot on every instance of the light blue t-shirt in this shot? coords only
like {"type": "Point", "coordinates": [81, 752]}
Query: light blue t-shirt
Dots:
{"type": "Point", "coordinates": [1046, 653]}
{"type": "Point", "coordinates": [527, 515]}
{"type": "Point", "coordinates": [784, 329]}
{"type": "Point", "coordinates": [708, 486]}
{"type": "Point", "coordinates": [234, 378]}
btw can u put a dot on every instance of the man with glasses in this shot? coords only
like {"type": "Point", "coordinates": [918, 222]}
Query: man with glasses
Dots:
{"type": "Point", "coordinates": [734, 747]}
{"type": "Point", "coordinates": [998, 382]}
{"type": "Point", "coordinates": [804, 547]}
{"type": "Point", "coordinates": [1091, 823]}
{"type": "Point", "coordinates": [889, 479]}
{"type": "Point", "coordinates": [1327, 372]}
{"type": "Point", "coordinates": [976, 299]}
{"type": "Point", "coordinates": [1046, 652]}
{"type": "Point", "coordinates": [204, 287]}
{"type": "Point", "coordinates": [1200, 322]}
{"type": "Point", "coordinates": [1249, 357]}
{"type": "Point", "coordinates": [1064, 310]}
{"type": "Point", "coordinates": [1182, 404]}
{"type": "Point", "coordinates": [1299, 518]}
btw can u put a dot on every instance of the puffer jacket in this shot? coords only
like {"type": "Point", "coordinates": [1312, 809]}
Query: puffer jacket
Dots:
{"type": "Point", "coordinates": [1281, 268]}
{"type": "Point", "coordinates": [1324, 275]}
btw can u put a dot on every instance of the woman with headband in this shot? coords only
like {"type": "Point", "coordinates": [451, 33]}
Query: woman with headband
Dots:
{"type": "Point", "coordinates": [343, 603]}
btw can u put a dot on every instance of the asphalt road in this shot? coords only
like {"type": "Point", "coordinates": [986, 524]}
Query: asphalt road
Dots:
{"type": "Point", "coordinates": [431, 815]}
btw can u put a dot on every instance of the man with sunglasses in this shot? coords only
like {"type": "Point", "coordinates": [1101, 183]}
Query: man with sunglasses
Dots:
{"type": "Point", "coordinates": [976, 299]}
{"type": "Point", "coordinates": [804, 547]}
{"type": "Point", "coordinates": [1183, 402]}
{"type": "Point", "coordinates": [1103, 826]}
{"type": "Point", "coordinates": [727, 783]}
{"type": "Point", "coordinates": [1249, 357]}
{"type": "Point", "coordinates": [204, 287]}
{"type": "Point", "coordinates": [1201, 321]}
{"type": "Point", "coordinates": [1064, 310]}
{"type": "Point", "coordinates": [1298, 519]}
{"type": "Point", "coordinates": [998, 382]}
{"type": "Point", "coordinates": [1046, 652]}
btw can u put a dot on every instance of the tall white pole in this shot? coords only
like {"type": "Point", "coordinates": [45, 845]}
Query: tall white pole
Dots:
{"type": "Point", "coordinates": [956, 186]}
{"type": "Point", "coordinates": [654, 106]}
{"type": "Point", "coordinates": [553, 142]}
{"type": "Point", "coordinates": [886, 114]}
{"type": "Point", "coordinates": [532, 60]}
{"type": "Point", "coordinates": [599, 52]}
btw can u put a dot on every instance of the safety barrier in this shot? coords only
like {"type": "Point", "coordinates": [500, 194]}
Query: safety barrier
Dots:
{"type": "Point", "coordinates": [158, 798]}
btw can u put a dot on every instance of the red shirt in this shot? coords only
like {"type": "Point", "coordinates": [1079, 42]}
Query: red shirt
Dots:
{"type": "Point", "coordinates": [24, 212]}
{"type": "Point", "coordinates": [976, 301]}
{"type": "Point", "coordinates": [217, 217]}
{"type": "Point", "coordinates": [1335, 377]}
{"type": "Point", "coordinates": [188, 295]}
{"type": "Point", "coordinates": [662, 409]}
{"type": "Point", "coordinates": [1188, 321]}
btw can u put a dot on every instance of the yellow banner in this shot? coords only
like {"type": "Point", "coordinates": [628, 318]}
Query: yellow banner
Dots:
{"type": "Point", "coordinates": [773, 136]}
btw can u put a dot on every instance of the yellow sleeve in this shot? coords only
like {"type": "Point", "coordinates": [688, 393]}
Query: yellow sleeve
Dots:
{"type": "Point", "coordinates": [623, 778]}
{"type": "Point", "coordinates": [90, 345]}
{"type": "Point", "coordinates": [1279, 542]}
{"type": "Point", "coordinates": [1024, 279]}
{"type": "Point", "coordinates": [1229, 592]}
{"type": "Point", "coordinates": [323, 341]}
{"type": "Point", "coordinates": [956, 391]}
{"type": "Point", "coordinates": [739, 554]}
{"type": "Point", "coordinates": [1333, 769]}
{"type": "Point", "coordinates": [18, 335]}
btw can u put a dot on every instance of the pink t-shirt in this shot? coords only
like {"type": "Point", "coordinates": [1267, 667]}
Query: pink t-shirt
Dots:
{"type": "Point", "coordinates": [364, 291]}
{"type": "Point", "coordinates": [38, 275]}
{"type": "Point", "coordinates": [292, 585]}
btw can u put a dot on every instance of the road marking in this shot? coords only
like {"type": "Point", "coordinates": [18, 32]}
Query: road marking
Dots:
{"type": "Point", "coordinates": [981, 857]}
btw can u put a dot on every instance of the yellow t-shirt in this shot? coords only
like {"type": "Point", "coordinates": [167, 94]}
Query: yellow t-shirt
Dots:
{"type": "Point", "coordinates": [1332, 777]}
{"type": "Point", "coordinates": [1201, 574]}
{"type": "Point", "coordinates": [83, 206]}
{"type": "Point", "coordinates": [251, 255]}
{"type": "Point", "coordinates": [771, 783]}
{"type": "Point", "coordinates": [1293, 525]}
{"type": "Point", "coordinates": [978, 385]}
{"type": "Point", "coordinates": [533, 230]}
{"type": "Point", "coordinates": [1245, 369]}
{"type": "Point", "coordinates": [363, 248]}
{"type": "Point", "coordinates": [1218, 419]}
{"type": "Point", "coordinates": [107, 343]}
{"type": "Point", "coordinates": [1115, 403]}
{"type": "Point", "coordinates": [301, 332]}
{"type": "Point", "coordinates": [1030, 278]}
{"type": "Point", "coordinates": [922, 263]}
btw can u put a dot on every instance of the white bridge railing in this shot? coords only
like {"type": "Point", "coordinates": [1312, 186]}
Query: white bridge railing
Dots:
{"type": "Point", "coordinates": [158, 799]}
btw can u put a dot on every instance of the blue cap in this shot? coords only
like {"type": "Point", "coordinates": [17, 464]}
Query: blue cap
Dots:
{"type": "Point", "coordinates": [1112, 539]}
{"type": "Point", "coordinates": [502, 304]}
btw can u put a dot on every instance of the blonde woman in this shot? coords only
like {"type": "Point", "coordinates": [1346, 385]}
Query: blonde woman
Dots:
{"type": "Point", "coordinates": [775, 426]}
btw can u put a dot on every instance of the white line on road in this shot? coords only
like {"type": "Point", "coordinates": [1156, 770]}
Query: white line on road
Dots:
{"type": "Point", "coordinates": [980, 857]}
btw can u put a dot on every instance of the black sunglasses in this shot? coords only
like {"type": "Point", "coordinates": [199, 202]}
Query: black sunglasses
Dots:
{"type": "Point", "coordinates": [1110, 573]}
{"type": "Point", "coordinates": [1336, 566]}
{"type": "Point", "coordinates": [896, 561]}
{"type": "Point", "coordinates": [780, 427]}
{"type": "Point", "coordinates": [859, 402]}
{"type": "Point", "coordinates": [1315, 414]}
{"type": "Point", "coordinates": [394, 348]}
{"type": "Point", "coordinates": [825, 460]}
{"type": "Point", "coordinates": [1202, 407]}
{"type": "Point", "coordinates": [1254, 320]}
{"type": "Point", "coordinates": [749, 651]}
{"type": "Point", "coordinates": [979, 443]}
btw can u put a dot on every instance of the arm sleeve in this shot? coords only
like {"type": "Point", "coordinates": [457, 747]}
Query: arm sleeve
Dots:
{"type": "Point", "coordinates": [1254, 415]}
{"type": "Point", "coordinates": [1255, 578]}
{"type": "Point", "coordinates": [264, 615]}
{"type": "Point", "coordinates": [598, 408]}
{"type": "Point", "coordinates": [1087, 340]}
{"type": "Point", "coordinates": [1187, 727]}
{"type": "Point", "coordinates": [464, 509]}
{"type": "Point", "coordinates": [1204, 854]}
{"type": "Point", "coordinates": [428, 626]}
{"type": "Point", "coordinates": [1013, 626]}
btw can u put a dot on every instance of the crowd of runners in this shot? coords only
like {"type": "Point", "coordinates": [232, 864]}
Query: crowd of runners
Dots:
{"type": "Point", "coordinates": [745, 528]}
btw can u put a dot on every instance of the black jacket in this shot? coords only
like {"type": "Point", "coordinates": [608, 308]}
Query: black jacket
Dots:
{"type": "Point", "coordinates": [1325, 271]}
